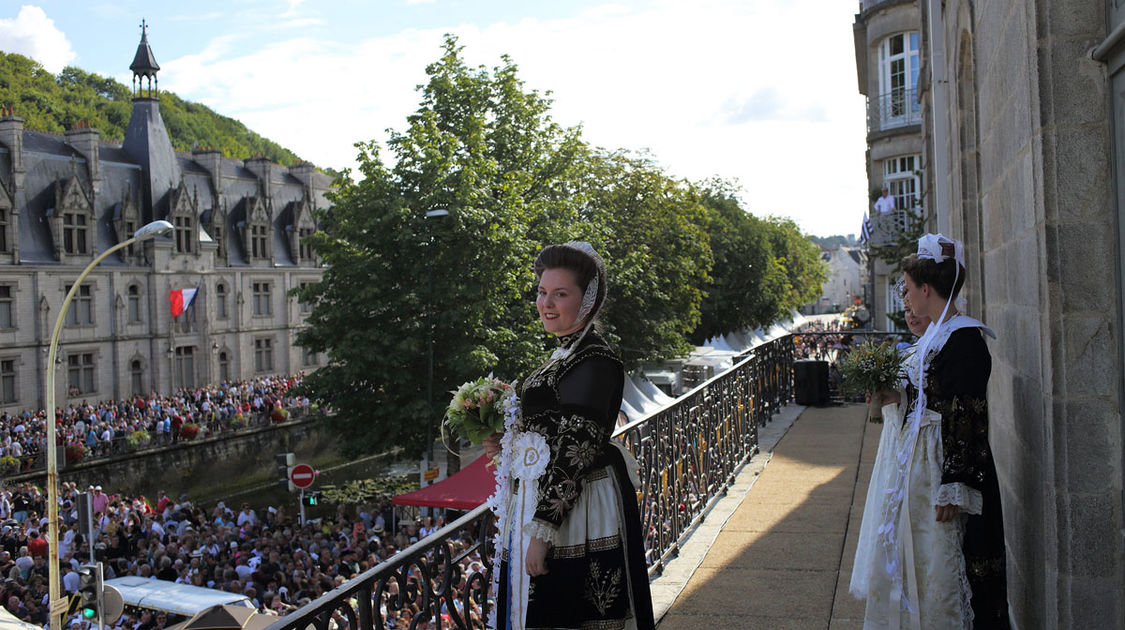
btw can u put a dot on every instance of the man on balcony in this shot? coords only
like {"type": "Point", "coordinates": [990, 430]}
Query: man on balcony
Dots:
{"type": "Point", "coordinates": [886, 203]}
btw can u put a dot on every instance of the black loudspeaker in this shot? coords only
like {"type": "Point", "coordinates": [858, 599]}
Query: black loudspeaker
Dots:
{"type": "Point", "coordinates": [810, 382]}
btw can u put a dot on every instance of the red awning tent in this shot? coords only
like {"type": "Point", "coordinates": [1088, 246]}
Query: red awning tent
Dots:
{"type": "Point", "coordinates": [463, 490]}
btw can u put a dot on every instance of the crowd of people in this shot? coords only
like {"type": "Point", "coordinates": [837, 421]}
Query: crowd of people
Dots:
{"type": "Point", "coordinates": [820, 346]}
{"type": "Point", "coordinates": [113, 426]}
{"type": "Point", "coordinates": [263, 554]}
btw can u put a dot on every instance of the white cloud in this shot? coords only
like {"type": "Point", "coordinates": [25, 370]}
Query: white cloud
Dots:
{"type": "Point", "coordinates": [761, 92]}
{"type": "Point", "coordinates": [34, 35]}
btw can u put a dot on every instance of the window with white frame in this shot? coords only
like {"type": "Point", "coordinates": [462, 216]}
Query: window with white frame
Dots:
{"type": "Point", "coordinates": [898, 79]}
{"type": "Point", "coordinates": [900, 176]}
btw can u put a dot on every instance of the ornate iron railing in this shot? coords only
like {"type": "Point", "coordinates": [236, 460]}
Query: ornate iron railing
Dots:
{"type": "Point", "coordinates": [689, 453]}
{"type": "Point", "coordinates": [897, 108]}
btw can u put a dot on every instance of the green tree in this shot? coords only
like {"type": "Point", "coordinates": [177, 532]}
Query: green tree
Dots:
{"type": "Point", "coordinates": [657, 254]}
{"type": "Point", "coordinates": [749, 284]}
{"type": "Point", "coordinates": [484, 149]}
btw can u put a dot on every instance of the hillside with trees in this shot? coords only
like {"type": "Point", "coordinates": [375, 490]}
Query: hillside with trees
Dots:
{"type": "Point", "coordinates": [55, 103]}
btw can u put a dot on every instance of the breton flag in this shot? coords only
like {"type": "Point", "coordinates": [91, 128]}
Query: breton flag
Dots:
{"type": "Point", "coordinates": [181, 300]}
{"type": "Point", "coordinates": [865, 230]}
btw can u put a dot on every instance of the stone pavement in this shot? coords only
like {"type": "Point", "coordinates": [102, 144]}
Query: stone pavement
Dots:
{"type": "Point", "coordinates": [776, 552]}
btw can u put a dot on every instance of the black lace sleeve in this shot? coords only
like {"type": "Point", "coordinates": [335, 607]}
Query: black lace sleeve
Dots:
{"type": "Point", "coordinates": [589, 394]}
{"type": "Point", "coordinates": [957, 389]}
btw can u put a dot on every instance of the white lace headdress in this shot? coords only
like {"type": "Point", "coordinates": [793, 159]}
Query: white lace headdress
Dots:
{"type": "Point", "coordinates": [589, 296]}
{"type": "Point", "coordinates": [938, 248]}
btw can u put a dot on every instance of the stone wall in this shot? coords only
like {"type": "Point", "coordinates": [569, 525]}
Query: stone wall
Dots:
{"type": "Point", "coordinates": [1032, 197]}
{"type": "Point", "coordinates": [201, 468]}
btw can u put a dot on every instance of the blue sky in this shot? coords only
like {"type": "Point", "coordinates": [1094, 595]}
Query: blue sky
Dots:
{"type": "Point", "coordinates": [759, 91]}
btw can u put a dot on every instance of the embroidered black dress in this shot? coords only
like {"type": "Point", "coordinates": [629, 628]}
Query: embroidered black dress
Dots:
{"type": "Point", "coordinates": [587, 508]}
{"type": "Point", "coordinates": [956, 387]}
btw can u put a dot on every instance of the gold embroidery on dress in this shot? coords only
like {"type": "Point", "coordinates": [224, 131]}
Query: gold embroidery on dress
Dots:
{"type": "Point", "coordinates": [602, 589]}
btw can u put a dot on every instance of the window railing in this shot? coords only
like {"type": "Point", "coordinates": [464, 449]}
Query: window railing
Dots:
{"type": "Point", "coordinates": [689, 453]}
{"type": "Point", "coordinates": [897, 108]}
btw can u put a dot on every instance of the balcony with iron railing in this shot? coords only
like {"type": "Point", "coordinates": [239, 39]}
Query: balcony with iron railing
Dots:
{"type": "Point", "coordinates": [887, 229]}
{"type": "Point", "coordinates": [690, 454]}
{"type": "Point", "coordinates": [894, 110]}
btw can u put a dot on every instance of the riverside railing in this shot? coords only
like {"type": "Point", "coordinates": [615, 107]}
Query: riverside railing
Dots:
{"type": "Point", "coordinates": [688, 452]}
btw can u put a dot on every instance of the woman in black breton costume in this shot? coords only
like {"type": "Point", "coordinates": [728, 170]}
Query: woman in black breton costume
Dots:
{"type": "Point", "coordinates": [940, 555]}
{"type": "Point", "coordinates": [585, 555]}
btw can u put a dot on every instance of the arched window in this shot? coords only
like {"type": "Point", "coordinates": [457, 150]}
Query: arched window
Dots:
{"type": "Point", "coordinates": [137, 377]}
{"type": "Point", "coordinates": [134, 305]}
{"type": "Point", "coordinates": [221, 311]}
{"type": "Point", "coordinates": [224, 367]}
{"type": "Point", "coordinates": [898, 81]}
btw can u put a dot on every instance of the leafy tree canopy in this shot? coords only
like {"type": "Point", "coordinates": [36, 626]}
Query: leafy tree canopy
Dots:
{"type": "Point", "coordinates": [433, 243]}
{"type": "Point", "coordinates": [55, 104]}
{"type": "Point", "coordinates": [763, 267]}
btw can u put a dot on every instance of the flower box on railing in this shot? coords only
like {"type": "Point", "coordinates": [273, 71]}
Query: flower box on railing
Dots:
{"type": "Point", "coordinates": [189, 431]}
{"type": "Point", "coordinates": [74, 452]}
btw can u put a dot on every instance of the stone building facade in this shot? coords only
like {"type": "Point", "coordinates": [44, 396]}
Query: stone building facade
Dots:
{"type": "Point", "coordinates": [847, 276]}
{"type": "Point", "coordinates": [237, 240]}
{"type": "Point", "coordinates": [1024, 152]}
{"type": "Point", "coordinates": [888, 57]}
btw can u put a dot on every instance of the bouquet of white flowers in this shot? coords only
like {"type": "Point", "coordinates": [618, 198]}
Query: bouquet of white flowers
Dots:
{"type": "Point", "coordinates": [872, 367]}
{"type": "Point", "coordinates": [477, 409]}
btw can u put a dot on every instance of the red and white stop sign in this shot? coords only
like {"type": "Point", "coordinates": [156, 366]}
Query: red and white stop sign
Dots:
{"type": "Point", "coordinates": [302, 475]}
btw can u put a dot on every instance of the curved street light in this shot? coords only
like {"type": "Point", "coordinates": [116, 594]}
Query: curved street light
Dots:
{"type": "Point", "coordinates": [57, 606]}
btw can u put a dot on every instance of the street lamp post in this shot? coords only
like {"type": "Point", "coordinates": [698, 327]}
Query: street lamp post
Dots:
{"type": "Point", "coordinates": [57, 606]}
{"type": "Point", "coordinates": [432, 214]}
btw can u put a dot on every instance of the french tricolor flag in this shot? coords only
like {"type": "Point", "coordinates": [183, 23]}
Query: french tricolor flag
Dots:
{"type": "Point", "coordinates": [181, 299]}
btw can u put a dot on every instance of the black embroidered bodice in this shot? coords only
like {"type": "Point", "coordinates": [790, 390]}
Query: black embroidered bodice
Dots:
{"type": "Point", "coordinates": [573, 402]}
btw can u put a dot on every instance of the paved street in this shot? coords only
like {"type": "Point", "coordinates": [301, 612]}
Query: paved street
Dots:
{"type": "Point", "coordinates": [776, 552]}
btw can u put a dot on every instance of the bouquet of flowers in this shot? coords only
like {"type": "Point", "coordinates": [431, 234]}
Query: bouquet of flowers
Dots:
{"type": "Point", "coordinates": [872, 367]}
{"type": "Point", "coordinates": [477, 409]}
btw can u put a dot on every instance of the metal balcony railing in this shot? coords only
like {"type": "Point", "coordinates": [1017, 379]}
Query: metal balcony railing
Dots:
{"type": "Point", "coordinates": [897, 108]}
{"type": "Point", "coordinates": [689, 453]}
{"type": "Point", "coordinates": [887, 228]}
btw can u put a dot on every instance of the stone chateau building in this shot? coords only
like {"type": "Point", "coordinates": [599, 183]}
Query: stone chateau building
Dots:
{"type": "Point", "coordinates": [238, 236]}
{"type": "Point", "coordinates": [1022, 156]}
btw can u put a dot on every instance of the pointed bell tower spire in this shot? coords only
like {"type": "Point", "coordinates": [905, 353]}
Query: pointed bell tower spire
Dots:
{"type": "Point", "coordinates": [146, 138]}
{"type": "Point", "coordinates": [144, 69]}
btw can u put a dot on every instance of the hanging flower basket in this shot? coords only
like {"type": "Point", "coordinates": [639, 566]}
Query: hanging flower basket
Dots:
{"type": "Point", "coordinates": [137, 440]}
{"type": "Point", "coordinates": [74, 452]}
{"type": "Point", "coordinates": [279, 414]}
{"type": "Point", "coordinates": [189, 431]}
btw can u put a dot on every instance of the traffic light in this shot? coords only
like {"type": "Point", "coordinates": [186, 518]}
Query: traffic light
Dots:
{"type": "Point", "coordinates": [312, 499]}
{"type": "Point", "coordinates": [85, 599]}
{"type": "Point", "coordinates": [285, 464]}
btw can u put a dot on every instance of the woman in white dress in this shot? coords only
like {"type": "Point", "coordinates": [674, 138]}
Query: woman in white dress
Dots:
{"type": "Point", "coordinates": [936, 559]}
